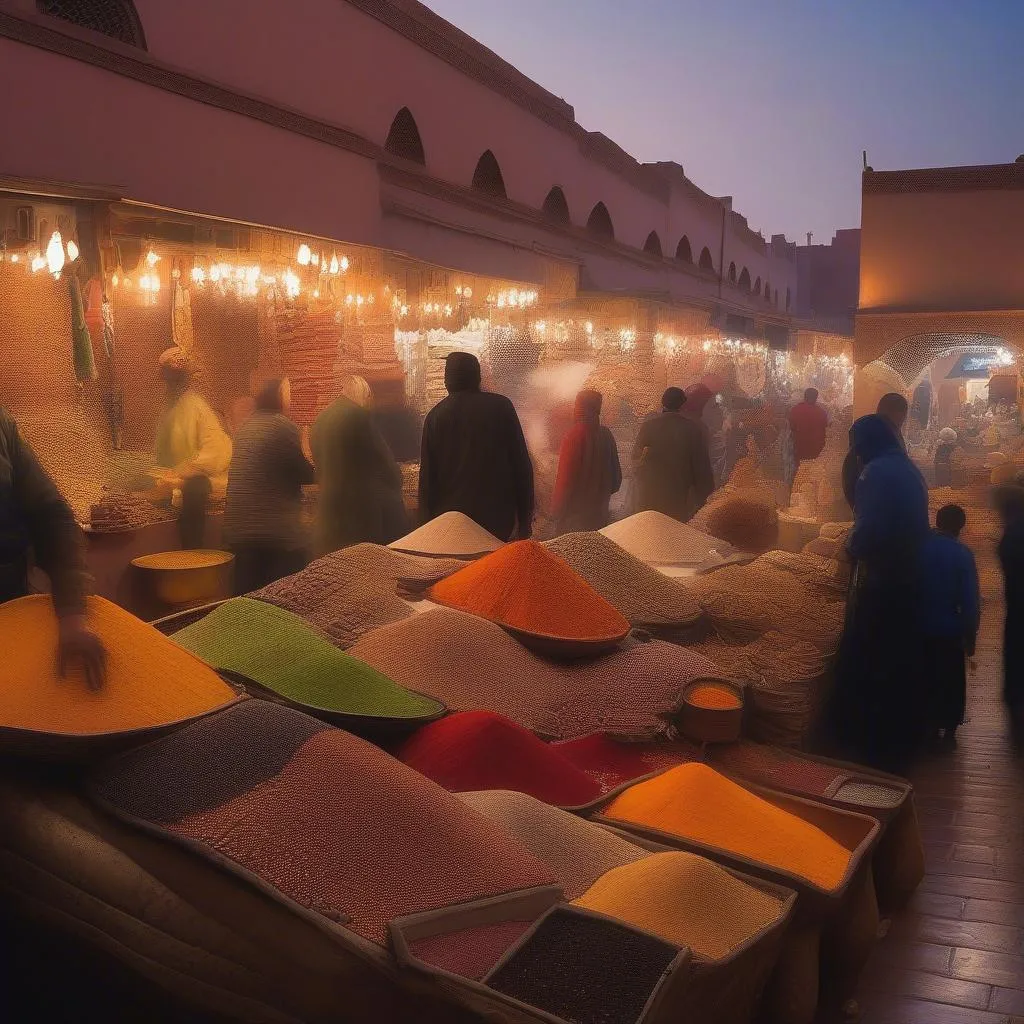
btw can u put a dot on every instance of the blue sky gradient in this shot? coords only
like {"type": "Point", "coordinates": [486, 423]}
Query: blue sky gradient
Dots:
{"type": "Point", "coordinates": [772, 101]}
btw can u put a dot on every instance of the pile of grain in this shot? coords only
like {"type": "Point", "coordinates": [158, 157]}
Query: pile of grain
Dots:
{"type": "Point", "coordinates": [451, 535]}
{"type": "Point", "coordinates": [686, 899]}
{"type": "Point", "coordinates": [577, 852]}
{"type": "Point", "coordinates": [696, 803]}
{"type": "Point", "coordinates": [657, 539]}
{"type": "Point", "coordinates": [525, 587]}
{"type": "Point", "coordinates": [472, 664]}
{"type": "Point", "coordinates": [352, 591]}
{"type": "Point", "coordinates": [642, 594]}
{"type": "Point", "coordinates": [116, 513]}
{"type": "Point", "coordinates": [150, 680]}
{"type": "Point", "coordinates": [746, 519]}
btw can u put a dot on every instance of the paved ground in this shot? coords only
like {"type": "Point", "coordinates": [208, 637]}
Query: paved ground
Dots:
{"type": "Point", "coordinates": [956, 956]}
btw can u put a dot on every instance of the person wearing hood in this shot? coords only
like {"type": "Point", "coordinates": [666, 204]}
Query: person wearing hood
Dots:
{"type": "Point", "coordinates": [948, 440]}
{"type": "Point", "coordinates": [878, 709]}
{"type": "Point", "coordinates": [671, 460]}
{"type": "Point", "coordinates": [893, 408]}
{"type": "Point", "coordinates": [589, 472]}
{"type": "Point", "coordinates": [360, 482]}
{"type": "Point", "coordinates": [702, 406]}
{"type": "Point", "coordinates": [1009, 501]}
{"type": "Point", "coordinates": [808, 425]}
{"type": "Point", "coordinates": [474, 458]}
{"type": "Point", "coordinates": [192, 448]}
{"type": "Point", "coordinates": [263, 515]}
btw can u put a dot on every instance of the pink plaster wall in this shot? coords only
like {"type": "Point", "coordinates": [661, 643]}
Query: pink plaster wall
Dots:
{"type": "Point", "coordinates": [943, 250]}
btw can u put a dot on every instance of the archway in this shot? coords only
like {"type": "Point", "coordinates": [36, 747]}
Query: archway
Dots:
{"type": "Point", "coordinates": [744, 281]}
{"type": "Point", "coordinates": [404, 138]}
{"type": "Point", "coordinates": [683, 251]}
{"type": "Point", "coordinates": [487, 177]}
{"type": "Point", "coordinates": [653, 244]}
{"type": "Point", "coordinates": [706, 262]}
{"type": "Point", "coordinates": [600, 222]}
{"type": "Point", "coordinates": [556, 207]}
{"type": "Point", "coordinates": [117, 19]}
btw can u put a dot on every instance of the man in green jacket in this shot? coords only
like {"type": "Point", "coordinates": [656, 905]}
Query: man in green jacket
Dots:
{"type": "Point", "coordinates": [34, 516]}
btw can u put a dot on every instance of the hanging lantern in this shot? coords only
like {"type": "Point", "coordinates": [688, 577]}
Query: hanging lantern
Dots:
{"type": "Point", "coordinates": [55, 253]}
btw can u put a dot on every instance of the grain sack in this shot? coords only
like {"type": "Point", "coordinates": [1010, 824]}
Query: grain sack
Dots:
{"type": "Point", "coordinates": [471, 664]}
{"type": "Point", "coordinates": [657, 539]}
{"type": "Point", "coordinates": [151, 682]}
{"type": "Point", "coordinates": [685, 899]}
{"type": "Point", "coordinates": [577, 852]}
{"type": "Point", "coordinates": [695, 803]}
{"type": "Point", "coordinates": [282, 653]}
{"type": "Point", "coordinates": [525, 587]}
{"type": "Point", "coordinates": [451, 535]}
{"type": "Point", "coordinates": [641, 594]}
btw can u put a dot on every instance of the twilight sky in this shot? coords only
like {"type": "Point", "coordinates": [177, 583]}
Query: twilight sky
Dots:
{"type": "Point", "coordinates": [772, 101]}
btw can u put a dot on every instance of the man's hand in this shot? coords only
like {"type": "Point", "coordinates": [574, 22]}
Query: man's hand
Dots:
{"type": "Point", "coordinates": [78, 643]}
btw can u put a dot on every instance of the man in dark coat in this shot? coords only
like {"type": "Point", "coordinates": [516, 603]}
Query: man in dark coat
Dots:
{"type": "Point", "coordinates": [893, 408]}
{"type": "Point", "coordinates": [34, 517]}
{"type": "Point", "coordinates": [673, 467]}
{"type": "Point", "coordinates": [474, 458]}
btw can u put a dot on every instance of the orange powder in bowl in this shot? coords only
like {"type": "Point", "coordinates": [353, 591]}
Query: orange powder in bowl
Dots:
{"type": "Point", "coordinates": [526, 587]}
{"type": "Point", "coordinates": [182, 560]}
{"type": "Point", "coordinates": [151, 681]}
{"type": "Point", "coordinates": [694, 802]}
{"type": "Point", "coordinates": [713, 698]}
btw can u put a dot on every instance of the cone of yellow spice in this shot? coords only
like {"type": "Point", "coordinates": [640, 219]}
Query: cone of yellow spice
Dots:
{"type": "Point", "coordinates": [693, 802]}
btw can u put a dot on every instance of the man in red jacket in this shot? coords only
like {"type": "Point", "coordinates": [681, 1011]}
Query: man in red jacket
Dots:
{"type": "Point", "coordinates": [808, 423]}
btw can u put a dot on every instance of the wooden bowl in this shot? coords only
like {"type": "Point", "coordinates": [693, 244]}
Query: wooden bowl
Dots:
{"type": "Point", "coordinates": [206, 580]}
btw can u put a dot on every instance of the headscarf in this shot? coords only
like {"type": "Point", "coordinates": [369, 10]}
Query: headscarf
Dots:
{"type": "Point", "coordinates": [461, 372]}
{"type": "Point", "coordinates": [871, 436]}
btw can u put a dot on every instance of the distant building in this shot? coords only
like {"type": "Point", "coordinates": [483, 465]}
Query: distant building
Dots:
{"type": "Point", "coordinates": [828, 281]}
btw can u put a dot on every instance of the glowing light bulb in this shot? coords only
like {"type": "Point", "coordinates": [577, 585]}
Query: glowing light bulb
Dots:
{"type": "Point", "coordinates": [38, 263]}
{"type": "Point", "coordinates": [335, 265]}
{"type": "Point", "coordinates": [304, 255]}
{"type": "Point", "coordinates": [175, 273]}
{"type": "Point", "coordinates": [151, 258]}
{"type": "Point", "coordinates": [458, 291]}
{"type": "Point", "coordinates": [72, 250]}
{"type": "Point", "coordinates": [115, 280]}
{"type": "Point", "coordinates": [198, 275]}
{"type": "Point", "coordinates": [55, 253]}
{"type": "Point", "coordinates": [359, 300]}
{"type": "Point", "coordinates": [344, 264]}
{"type": "Point", "coordinates": [15, 258]}
{"type": "Point", "coordinates": [215, 273]}
{"type": "Point", "coordinates": [590, 327]}
{"type": "Point", "coordinates": [292, 285]}
{"type": "Point", "coordinates": [467, 293]}
{"type": "Point", "coordinates": [316, 293]}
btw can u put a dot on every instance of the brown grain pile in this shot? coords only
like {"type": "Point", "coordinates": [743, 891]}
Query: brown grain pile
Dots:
{"type": "Point", "coordinates": [352, 591]}
{"type": "Point", "coordinates": [472, 664]}
{"type": "Point", "coordinates": [660, 540]}
{"type": "Point", "coordinates": [642, 594]}
{"type": "Point", "coordinates": [451, 535]}
{"type": "Point", "coordinates": [746, 519]}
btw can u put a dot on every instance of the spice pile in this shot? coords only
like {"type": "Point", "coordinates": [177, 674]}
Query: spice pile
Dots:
{"type": "Point", "coordinates": [746, 519]}
{"type": "Point", "coordinates": [525, 587]}
{"type": "Point", "coordinates": [642, 594]}
{"type": "Point", "coordinates": [282, 653]}
{"type": "Point", "coordinates": [695, 803]}
{"type": "Point", "coordinates": [151, 682]}
{"type": "Point", "coordinates": [331, 822]}
{"type": "Point", "coordinates": [658, 539]}
{"type": "Point", "coordinates": [713, 698]}
{"type": "Point", "coordinates": [680, 897]}
{"type": "Point", "coordinates": [472, 664]}
{"type": "Point", "coordinates": [451, 535]}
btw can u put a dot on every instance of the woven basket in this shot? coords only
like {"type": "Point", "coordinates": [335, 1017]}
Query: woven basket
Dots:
{"type": "Point", "coordinates": [710, 725]}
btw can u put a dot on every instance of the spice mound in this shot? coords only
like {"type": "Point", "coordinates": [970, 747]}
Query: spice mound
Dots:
{"type": "Point", "coordinates": [685, 899]}
{"type": "Point", "coordinates": [694, 802]}
{"type": "Point", "coordinates": [280, 652]}
{"type": "Point", "coordinates": [713, 698]}
{"type": "Point", "coordinates": [658, 539]}
{"type": "Point", "coordinates": [182, 560]}
{"type": "Point", "coordinates": [525, 587]}
{"type": "Point", "coordinates": [643, 595]}
{"type": "Point", "coordinates": [451, 535]}
{"type": "Point", "coordinates": [150, 682]}
{"type": "Point", "coordinates": [478, 750]}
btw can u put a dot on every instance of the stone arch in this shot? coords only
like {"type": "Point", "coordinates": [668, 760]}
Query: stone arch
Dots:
{"type": "Point", "coordinates": [706, 262]}
{"type": "Point", "coordinates": [683, 250]}
{"type": "Point", "coordinates": [910, 356]}
{"type": "Point", "coordinates": [117, 19]}
{"type": "Point", "coordinates": [487, 177]}
{"type": "Point", "coordinates": [744, 281]}
{"type": "Point", "coordinates": [653, 244]}
{"type": "Point", "coordinates": [404, 138]}
{"type": "Point", "coordinates": [600, 222]}
{"type": "Point", "coordinates": [556, 207]}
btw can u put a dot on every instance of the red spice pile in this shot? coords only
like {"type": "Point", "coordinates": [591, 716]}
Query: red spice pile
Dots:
{"type": "Point", "coordinates": [612, 763]}
{"type": "Point", "coordinates": [478, 750]}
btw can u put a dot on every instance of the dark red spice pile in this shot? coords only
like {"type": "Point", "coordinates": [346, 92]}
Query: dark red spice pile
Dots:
{"type": "Point", "coordinates": [612, 763]}
{"type": "Point", "coordinates": [477, 750]}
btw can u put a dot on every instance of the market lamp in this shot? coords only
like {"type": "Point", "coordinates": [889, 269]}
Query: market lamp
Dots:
{"type": "Point", "coordinates": [72, 250]}
{"type": "Point", "coordinates": [55, 254]}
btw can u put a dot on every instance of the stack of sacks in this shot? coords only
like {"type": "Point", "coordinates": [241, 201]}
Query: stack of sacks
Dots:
{"type": "Point", "coordinates": [641, 594]}
{"type": "Point", "coordinates": [283, 654]}
{"type": "Point", "coordinates": [529, 590]}
{"type": "Point", "coordinates": [151, 682]}
{"type": "Point", "coordinates": [471, 664]}
{"type": "Point", "coordinates": [322, 819]}
{"type": "Point", "coordinates": [657, 539]}
{"type": "Point", "coordinates": [354, 590]}
{"type": "Point", "coordinates": [451, 535]}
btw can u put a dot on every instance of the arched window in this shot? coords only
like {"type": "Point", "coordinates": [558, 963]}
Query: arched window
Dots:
{"type": "Point", "coordinates": [555, 207]}
{"type": "Point", "coordinates": [600, 222]}
{"type": "Point", "coordinates": [117, 19]}
{"type": "Point", "coordinates": [789, 299]}
{"type": "Point", "coordinates": [757, 287]}
{"type": "Point", "coordinates": [487, 177]}
{"type": "Point", "coordinates": [745, 279]}
{"type": "Point", "coordinates": [653, 244]}
{"type": "Point", "coordinates": [684, 252]}
{"type": "Point", "coordinates": [706, 262]}
{"type": "Point", "coordinates": [732, 272]}
{"type": "Point", "coordinates": [404, 138]}
{"type": "Point", "coordinates": [768, 291]}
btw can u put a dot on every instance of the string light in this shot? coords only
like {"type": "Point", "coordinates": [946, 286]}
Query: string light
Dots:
{"type": "Point", "coordinates": [292, 285]}
{"type": "Point", "coordinates": [72, 250]}
{"type": "Point", "coordinates": [304, 255]}
{"type": "Point", "coordinates": [335, 265]}
{"type": "Point", "coordinates": [55, 253]}
{"type": "Point", "coordinates": [151, 259]}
